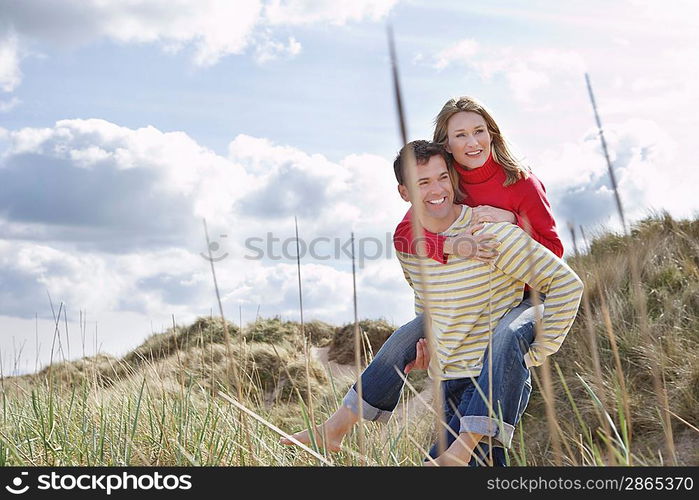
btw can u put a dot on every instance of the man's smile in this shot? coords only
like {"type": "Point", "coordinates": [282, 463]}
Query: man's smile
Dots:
{"type": "Point", "coordinates": [438, 201]}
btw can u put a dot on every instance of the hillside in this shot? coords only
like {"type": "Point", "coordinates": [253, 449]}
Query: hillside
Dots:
{"type": "Point", "coordinates": [160, 404]}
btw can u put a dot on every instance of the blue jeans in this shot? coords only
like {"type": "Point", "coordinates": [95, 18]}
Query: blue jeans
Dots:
{"type": "Point", "coordinates": [467, 411]}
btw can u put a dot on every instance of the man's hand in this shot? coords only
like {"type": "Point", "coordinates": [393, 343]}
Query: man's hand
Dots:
{"type": "Point", "coordinates": [466, 245]}
{"type": "Point", "coordinates": [486, 213]}
{"type": "Point", "coordinates": [422, 360]}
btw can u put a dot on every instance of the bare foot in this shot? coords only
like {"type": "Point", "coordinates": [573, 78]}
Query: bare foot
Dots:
{"type": "Point", "coordinates": [323, 439]}
{"type": "Point", "coordinates": [447, 460]}
{"type": "Point", "coordinates": [330, 434]}
{"type": "Point", "coordinates": [459, 452]}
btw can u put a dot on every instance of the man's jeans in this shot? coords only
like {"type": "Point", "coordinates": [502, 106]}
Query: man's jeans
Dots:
{"type": "Point", "coordinates": [466, 411]}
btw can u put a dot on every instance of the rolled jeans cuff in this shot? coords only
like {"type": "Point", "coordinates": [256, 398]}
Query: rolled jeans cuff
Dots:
{"type": "Point", "coordinates": [501, 432]}
{"type": "Point", "coordinates": [369, 412]}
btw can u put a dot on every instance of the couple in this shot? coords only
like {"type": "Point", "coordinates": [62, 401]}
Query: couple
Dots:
{"type": "Point", "coordinates": [480, 269]}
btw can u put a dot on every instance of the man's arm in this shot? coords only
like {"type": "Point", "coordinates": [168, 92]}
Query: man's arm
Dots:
{"type": "Point", "coordinates": [526, 260]}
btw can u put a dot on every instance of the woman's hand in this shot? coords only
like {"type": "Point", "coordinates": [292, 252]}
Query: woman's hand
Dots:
{"type": "Point", "coordinates": [486, 213]}
{"type": "Point", "coordinates": [482, 247]}
{"type": "Point", "coordinates": [422, 360]}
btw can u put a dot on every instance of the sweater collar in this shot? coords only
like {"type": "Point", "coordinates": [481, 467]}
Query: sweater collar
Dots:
{"type": "Point", "coordinates": [480, 174]}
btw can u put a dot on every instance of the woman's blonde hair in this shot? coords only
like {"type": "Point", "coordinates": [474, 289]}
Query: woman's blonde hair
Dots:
{"type": "Point", "coordinates": [502, 153]}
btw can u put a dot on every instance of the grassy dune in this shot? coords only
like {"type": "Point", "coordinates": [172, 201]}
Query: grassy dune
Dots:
{"type": "Point", "coordinates": [624, 386]}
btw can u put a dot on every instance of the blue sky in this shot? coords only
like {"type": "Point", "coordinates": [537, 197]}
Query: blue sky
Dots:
{"type": "Point", "coordinates": [123, 124]}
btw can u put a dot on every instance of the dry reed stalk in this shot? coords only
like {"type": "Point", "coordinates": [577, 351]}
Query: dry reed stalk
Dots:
{"type": "Point", "coordinates": [547, 383]}
{"type": "Point", "coordinates": [656, 363]}
{"type": "Point", "coordinates": [612, 177]}
{"type": "Point", "coordinates": [490, 361]}
{"type": "Point", "coordinates": [683, 420]}
{"type": "Point", "coordinates": [227, 337]}
{"type": "Point", "coordinates": [554, 423]}
{"type": "Point", "coordinates": [619, 372]}
{"type": "Point", "coordinates": [640, 301]}
{"type": "Point", "coordinates": [306, 352]}
{"type": "Point", "coordinates": [57, 331]}
{"type": "Point", "coordinates": [594, 352]}
{"type": "Point", "coordinates": [179, 360]}
{"type": "Point", "coordinates": [53, 342]}
{"type": "Point", "coordinates": [357, 356]}
{"type": "Point", "coordinates": [274, 428]}
{"type": "Point", "coordinates": [408, 160]}
{"type": "Point", "coordinates": [65, 322]}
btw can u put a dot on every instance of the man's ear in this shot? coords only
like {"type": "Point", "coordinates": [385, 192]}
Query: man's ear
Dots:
{"type": "Point", "coordinates": [403, 191]}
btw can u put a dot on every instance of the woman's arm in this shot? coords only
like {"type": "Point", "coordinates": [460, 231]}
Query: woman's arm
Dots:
{"type": "Point", "coordinates": [534, 214]}
{"type": "Point", "coordinates": [466, 245]}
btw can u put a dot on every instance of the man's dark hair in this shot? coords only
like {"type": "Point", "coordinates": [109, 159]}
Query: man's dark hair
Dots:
{"type": "Point", "coordinates": [424, 150]}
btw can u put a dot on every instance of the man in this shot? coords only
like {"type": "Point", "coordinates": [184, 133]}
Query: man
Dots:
{"type": "Point", "coordinates": [471, 307]}
{"type": "Point", "coordinates": [469, 297]}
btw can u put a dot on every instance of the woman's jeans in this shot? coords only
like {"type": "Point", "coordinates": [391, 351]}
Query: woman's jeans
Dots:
{"type": "Point", "coordinates": [465, 409]}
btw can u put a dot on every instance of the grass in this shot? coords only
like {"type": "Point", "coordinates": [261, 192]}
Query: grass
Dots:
{"type": "Point", "coordinates": [168, 402]}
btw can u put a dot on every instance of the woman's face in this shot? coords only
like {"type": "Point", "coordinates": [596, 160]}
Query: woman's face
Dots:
{"type": "Point", "coordinates": [468, 139]}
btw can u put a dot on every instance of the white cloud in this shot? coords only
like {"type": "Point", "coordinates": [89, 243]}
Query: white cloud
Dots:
{"type": "Point", "coordinates": [213, 29]}
{"type": "Point", "coordinates": [359, 192]}
{"type": "Point", "coordinates": [643, 156]}
{"type": "Point", "coordinates": [526, 70]}
{"type": "Point", "coordinates": [682, 17]}
{"type": "Point", "coordinates": [10, 73]}
{"type": "Point", "coordinates": [119, 211]}
{"type": "Point", "coordinates": [461, 52]}
{"type": "Point", "coordinates": [294, 12]}
{"type": "Point", "coordinates": [8, 105]}
{"type": "Point", "coordinates": [270, 50]}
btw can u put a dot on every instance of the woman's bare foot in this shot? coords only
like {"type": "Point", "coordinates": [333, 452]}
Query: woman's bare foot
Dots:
{"type": "Point", "coordinates": [446, 460]}
{"type": "Point", "coordinates": [330, 434]}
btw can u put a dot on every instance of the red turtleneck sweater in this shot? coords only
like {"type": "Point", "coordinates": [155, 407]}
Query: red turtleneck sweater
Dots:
{"type": "Point", "coordinates": [526, 198]}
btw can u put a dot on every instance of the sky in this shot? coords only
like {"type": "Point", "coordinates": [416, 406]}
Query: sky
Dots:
{"type": "Point", "coordinates": [125, 124]}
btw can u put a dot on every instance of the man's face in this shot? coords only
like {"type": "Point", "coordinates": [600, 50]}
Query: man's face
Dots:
{"type": "Point", "coordinates": [434, 188]}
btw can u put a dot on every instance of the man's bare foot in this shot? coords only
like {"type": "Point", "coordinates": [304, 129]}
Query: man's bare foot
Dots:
{"type": "Point", "coordinates": [323, 439]}
{"type": "Point", "coordinates": [330, 434]}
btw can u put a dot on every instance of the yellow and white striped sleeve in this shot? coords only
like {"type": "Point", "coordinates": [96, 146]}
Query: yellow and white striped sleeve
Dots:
{"type": "Point", "coordinates": [526, 260]}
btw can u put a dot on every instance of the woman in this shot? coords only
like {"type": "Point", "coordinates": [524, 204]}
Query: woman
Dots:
{"type": "Point", "coordinates": [491, 179]}
{"type": "Point", "coordinates": [502, 190]}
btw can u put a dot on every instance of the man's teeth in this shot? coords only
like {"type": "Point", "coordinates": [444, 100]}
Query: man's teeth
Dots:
{"type": "Point", "coordinates": [437, 202]}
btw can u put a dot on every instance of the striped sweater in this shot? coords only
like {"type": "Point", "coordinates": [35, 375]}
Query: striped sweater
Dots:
{"type": "Point", "coordinates": [468, 297]}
